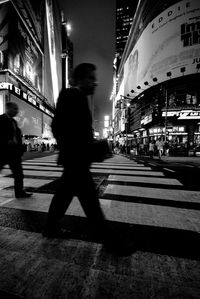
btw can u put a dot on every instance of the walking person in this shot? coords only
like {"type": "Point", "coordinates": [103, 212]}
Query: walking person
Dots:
{"type": "Point", "coordinates": [73, 118]}
{"type": "Point", "coordinates": [11, 148]}
{"type": "Point", "coordinates": [160, 147]}
{"type": "Point", "coordinates": [151, 149]}
{"type": "Point", "coordinates": [166, 146]}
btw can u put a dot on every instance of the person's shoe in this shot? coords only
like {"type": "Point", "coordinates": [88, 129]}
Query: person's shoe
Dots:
{"type": "Point", "coordinates": [23, 195]}
{"type": "Point", "coordinates": [60, 233]}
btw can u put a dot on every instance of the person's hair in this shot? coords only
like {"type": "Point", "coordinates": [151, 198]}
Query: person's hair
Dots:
{"type": "Point", "coordinates": [81, 71]}
{"type": "Point", "coordinates": [10, 105]}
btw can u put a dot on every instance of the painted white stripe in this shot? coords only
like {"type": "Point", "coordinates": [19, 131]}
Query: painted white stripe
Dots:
{"type": "Point", "coordinates": [6, 201]}
{"type": "Point", "coordinates": [169, 169]}
{"type": "Point", "coordinates": [150, 180]}
{"type": "Point", "coordinates": [122, 167]}
{"type": "Point", "coordinates": [157, 193]}
{"type": "Point", "coordinates": [127, 172]}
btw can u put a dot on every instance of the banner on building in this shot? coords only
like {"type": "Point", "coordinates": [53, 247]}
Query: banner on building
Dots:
{"type": "Point", "coordinates": [3, 34]}
{"type": "Point", "coordinates": [169, 43]}
{"type": "Point", "coordinates": [24, 57]}
{"type": "Point", "coordinates": [32, 13]}
{"type": "Point", "coordinates": [29, 118]}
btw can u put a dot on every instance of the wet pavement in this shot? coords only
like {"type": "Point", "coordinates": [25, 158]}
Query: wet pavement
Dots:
{"type": "Point", "coordinates": [157, 214]}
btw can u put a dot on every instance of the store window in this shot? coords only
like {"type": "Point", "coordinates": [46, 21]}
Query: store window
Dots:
{"type": "Point", "coordinates": [191, 99]}
{"type": "Point", "coordinates": [1, 104]}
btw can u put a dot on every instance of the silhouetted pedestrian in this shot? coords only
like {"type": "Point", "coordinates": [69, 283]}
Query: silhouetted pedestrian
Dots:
{"type": "Point", "coordinates": [160, 147]}
{"type": "Point", "coordinates": [151, 149]}
{"type": "Point", "coordinates": [11, 147]}
{"type": "Point", "coordinates": [73, 118]}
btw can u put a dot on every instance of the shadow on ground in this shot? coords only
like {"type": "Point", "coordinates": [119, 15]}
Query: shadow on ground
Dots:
{"type": "Point", "coordinates": [160, 240]}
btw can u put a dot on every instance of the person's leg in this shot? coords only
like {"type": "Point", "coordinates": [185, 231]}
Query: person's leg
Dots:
{"type": "Point", "coordinates": [15, 165]}
{"type": "Point", "coordinates": [60, 202]}
{"type": "Point", "coordinates": [88, 197]}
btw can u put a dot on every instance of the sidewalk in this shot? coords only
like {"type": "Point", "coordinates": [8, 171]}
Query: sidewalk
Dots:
{"type": "Point", "coordinates": [192, 160]}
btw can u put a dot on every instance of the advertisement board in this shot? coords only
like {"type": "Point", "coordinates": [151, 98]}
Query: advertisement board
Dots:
{"type": "Point", "coordinates": [47, 120]}
{"type": "Point", "coordinates": [24, 57]}
{"type": "Point", "coordinates": [170, 43]}
{"type": "Point", "coordinates": [51, 33]}
{"type": "Point", "coordinates": [29, 118]}
{"type": "Point", "coordinates": [32, 12]}
{"type": "Point", "coordinates": [3, 34]}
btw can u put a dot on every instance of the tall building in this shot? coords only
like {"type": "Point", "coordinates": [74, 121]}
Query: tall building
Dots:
{"type": "Point", "coordinates": [30, 62]}
{"type": "Point", "coordinates": [125, 10]}
{"type": "Point", "coordinates": [159, 77]}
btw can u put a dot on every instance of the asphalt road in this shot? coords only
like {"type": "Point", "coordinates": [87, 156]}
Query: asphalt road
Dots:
{"type": "Point", "coordinates": [184, 169]}
{"type": "Point", "coordinates": [144, 202]}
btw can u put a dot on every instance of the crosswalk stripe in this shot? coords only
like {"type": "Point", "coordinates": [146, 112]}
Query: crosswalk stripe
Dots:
{"type": "Point", "coordinates": [119, 175]}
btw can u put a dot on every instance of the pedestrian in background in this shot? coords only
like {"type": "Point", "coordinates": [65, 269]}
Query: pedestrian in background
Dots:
{"type": "Point", "coordinates": [166, 146]}
{"type": "Point", "coordinates": [160, 147]}
{"type": "Point", "coordinates": [72, 125]}
{"type": "Point", "coordinates": [151, 149]}
{"type": "Point", "coordinates": [11, 147]}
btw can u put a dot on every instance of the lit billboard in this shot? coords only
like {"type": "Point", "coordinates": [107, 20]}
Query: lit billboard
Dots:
{"type": "Point", "coordinates": [51, 33]}
{"type": "Point", "coordinates": [29, 118]}
{"type": "Point", "coordinates": [32, 12]}
{"type": "Point", "coordinates": [3, 34]}
{"type": "Point", "coordinates": [47, 132]}
{"type": "Point", "coordinates": [170, 43]}
{"type": "Point", "coordinates": [24, 57]}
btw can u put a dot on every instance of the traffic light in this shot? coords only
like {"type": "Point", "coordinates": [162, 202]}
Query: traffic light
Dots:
{"type": "Point", "coordinates": [157, 113]}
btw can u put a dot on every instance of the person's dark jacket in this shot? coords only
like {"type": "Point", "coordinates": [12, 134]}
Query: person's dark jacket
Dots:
{"type": "Point", "coordinates": [72, 128]}
{"type": "Point", "coordinates": [7, 132]}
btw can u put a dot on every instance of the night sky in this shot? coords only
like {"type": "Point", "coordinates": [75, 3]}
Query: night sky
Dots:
{"type": "Point", "coordinates": [93, 37]}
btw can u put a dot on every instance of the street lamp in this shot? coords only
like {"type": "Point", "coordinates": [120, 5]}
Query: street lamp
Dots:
{"type": "Point", "coordinates": [169, 74]}
{"type": "Point", "coordinates": [126, 124]}
{"type": "Point", "coordinates": [66, 30]}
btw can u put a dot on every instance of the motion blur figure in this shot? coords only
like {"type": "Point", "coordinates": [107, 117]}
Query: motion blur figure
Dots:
{"type": "Point", "coordinates": [72, 128]}
{"type": "Point", "coordinates": [11, 148]}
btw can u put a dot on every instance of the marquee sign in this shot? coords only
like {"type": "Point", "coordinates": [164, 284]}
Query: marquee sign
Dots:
{"type": "Point", "coordinates": [30, 97]}
{"type": "Point", "coordinates": [146, 119]}
{"type": "Point", "coordinates": [168, 43]}
{"type": "Point", "coordinates": [183, 114]}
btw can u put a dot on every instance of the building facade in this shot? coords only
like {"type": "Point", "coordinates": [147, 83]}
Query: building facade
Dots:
{"type": "Point", "coordinates": [30, 62]}
{"type": "Point", "coordinates": [158, 77]}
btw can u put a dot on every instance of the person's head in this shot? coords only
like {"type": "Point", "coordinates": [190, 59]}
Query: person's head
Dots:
{"type": "Point", "coordinates": [84, 77]}
{"type": "Point", "coordinates": [11, 109]}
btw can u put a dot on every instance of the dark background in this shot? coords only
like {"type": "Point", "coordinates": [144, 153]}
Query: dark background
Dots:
{"type": "Point", "coordinates": [93, 36]}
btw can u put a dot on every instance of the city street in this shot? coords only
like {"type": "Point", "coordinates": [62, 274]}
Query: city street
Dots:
{"type": "Point", "coordinates": [154, 203]}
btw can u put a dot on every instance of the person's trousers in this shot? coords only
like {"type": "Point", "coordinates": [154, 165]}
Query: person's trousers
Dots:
{"type": "Point", "coordinates": [15, 164]}
{"type": "Point", "coordinates": [76, 183]}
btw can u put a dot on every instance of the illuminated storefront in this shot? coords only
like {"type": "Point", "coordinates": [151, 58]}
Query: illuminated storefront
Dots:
{"type": "Point", "coordinates": [26, 66]}
{"type": "Point", "coordinates": [34, 118]}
